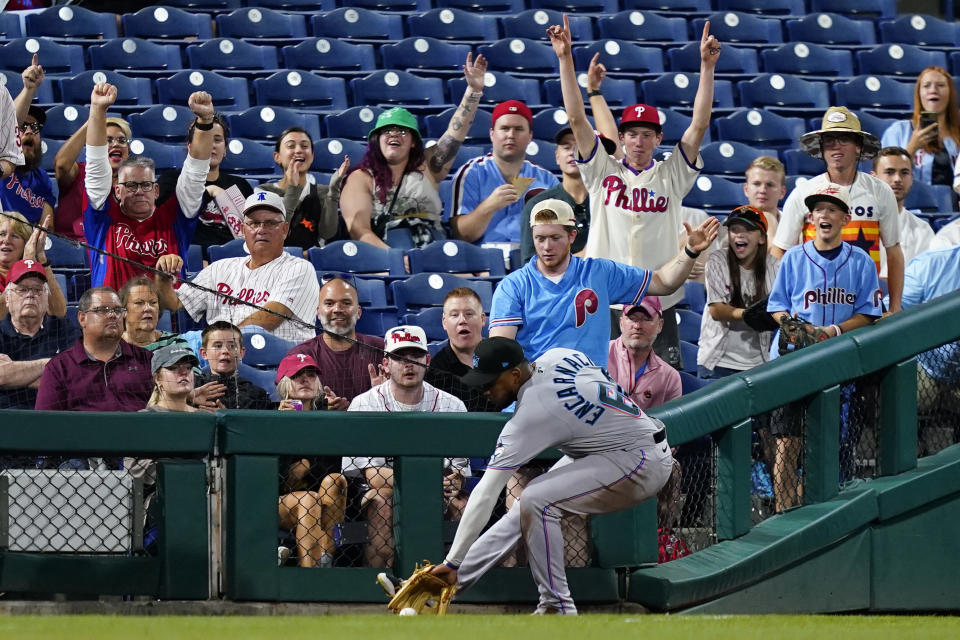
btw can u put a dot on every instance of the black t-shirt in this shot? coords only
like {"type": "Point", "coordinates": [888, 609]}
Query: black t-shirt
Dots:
{"type": "Point", "coordinates": [54, 336]}
{"type": "Point", "coordinates": [212, 229]}
{"type": "Point", "coordinates": [444, 373]}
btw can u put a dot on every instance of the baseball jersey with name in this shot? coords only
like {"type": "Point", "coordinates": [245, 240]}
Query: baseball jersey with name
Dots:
{"type": "Point", "coordinates": [570, 313]}
{"type": "Point", "coordinates": [10, 149]}
{"type": "Point", "coordinates": [28, 193]}
{"type": "Point", "coordinates": [873, 215]}
{"type": "Point", "coordinates": [635, 215]}
{"type": "Point", "coordinates": [478, 178]}
{"type": "Point", "coordinates": [822, 291]}
{"type": "Point", "coordinates": [288, 280]}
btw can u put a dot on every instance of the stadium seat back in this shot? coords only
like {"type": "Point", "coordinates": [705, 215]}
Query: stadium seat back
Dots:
{"type": "Point", "coordinates": [301, 90]}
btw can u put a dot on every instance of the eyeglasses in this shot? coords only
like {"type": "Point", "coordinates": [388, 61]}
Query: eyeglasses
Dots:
{"type": "Point", "coordinates": [842, 138]}
{"type": "Point", "coordinates": [106, 311]}
{"type": "Point", "coordinates": [35, 127]}
{"type": "Point", "coordinates": [146, 185]}
{"type": "Point", "coordinates": [269, 225]}
{"type": "Point", "coordinates": [118, 140]}
{"type": "Point", "coordinates": [395, 131]}
{"type": "Point", "coordinates": [26, 292]}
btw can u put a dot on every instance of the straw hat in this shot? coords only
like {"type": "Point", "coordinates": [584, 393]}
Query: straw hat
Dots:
{"type": "Point", "coordinates": [840, 120]}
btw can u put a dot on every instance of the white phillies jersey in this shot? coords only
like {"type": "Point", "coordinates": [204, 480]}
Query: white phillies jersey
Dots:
{"type": "Point", "coordinates": [10, 149]}
{"type": "Point", "coordinates": [288, 280]}
{"type": "Point", "coordinates": [635, 215]}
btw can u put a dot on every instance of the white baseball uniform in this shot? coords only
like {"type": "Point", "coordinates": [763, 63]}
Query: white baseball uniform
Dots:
{"type": "Point", "coordinates": [288, 280]}
{"type": "Point", "coordinates": [10, 148]}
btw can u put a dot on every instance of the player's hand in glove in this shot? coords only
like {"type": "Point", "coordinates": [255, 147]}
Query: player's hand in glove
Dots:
{"type": "Point", "coordinates": [425, 592]}
{"type": "Point", "coordinates": [796, 333]}
{"type": "Point", "coordinates": [758, 318]}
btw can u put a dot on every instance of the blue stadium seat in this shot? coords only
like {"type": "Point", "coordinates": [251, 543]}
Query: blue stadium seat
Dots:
{"type": "Point", "coordinates": [425, 53]}
{"type": "Point", "coordinates": [830, 28]}
{"type": "Point", "coordinates": [349, 256]}
{"type": "Point", "coordinates": [857, 8]}
{"type": "Point", "coordinates": [393, 5]}
{"type": "Point", "coordinates": [500, 86]}
{"type": "Point", "coordinates": [248, 157]}
{"type": "Point", "coordinates": [731, 158]}
{"type": "Point", "coordinates": [684, 6]}
{"type": "Point", "coordinates": [871, 123]}
{"type": "Point", "coordinates": [297, 5]}
{"type": "Point", "coordinates": [63, 121]}
{"type": "Point", "coordinates": [520, 55]}
{"type": "Point", "coordinates": [688, 325]}
{"type": "Point", "coordinates": [165, 156]}
{"type": "Point", "coordinates": [11, 79]}
{"type": "Point", "coordinates": [234, 249]}
{"type": "Point", "coordinates": [371, 291]}
{"type": "Point", "coordinates": [803, 58]}
{"type": "Point", "coordinates": [10, 26]}
{"type": "Point", "coordinates": [398, 87]}
{"type": "Point", "coordinates": [231, 54]}
{"type": "Point", "coordinates": [328, 153]}
{"type": "Point", "coordinates": [227, 93]}
{"type": "Point", "coordinates": [455, 256]}
{"type": "Point", "coordinates": [533, 23]}
{"type": "Point", "coordinates": [487, 6]}
{"type": "Point", "coordinates": [71, 22]}
{"type": "Point", "coordinates": [194, 260]}
{"type": "Point", "coordinates": [543, 153]}
{"type": "Point", "coordinates": [899, 60]}
{"type": "Point", "coordinates": [263, 349]}
{"type": "Point", "coordinates": [547, 122]}
{"type": "Point", "coordinates": [927, 199]}
{"type": "Point", "coordinates": [620, 56]}
{"type": "Point", "coordinates": [798, 162]}
{"type": "Point", "coordinates": [167, 23]}
{"type": "Point", "coordinates": [674, 125]}
{"type": "Point", "coordinates": [734, 59]}
{"type": "Point", "coordinates": [63, 254]}
{"type": "Point", "coordinates": [920, 29]}
{"type": "Point", "coordinates": [679, 89]}
{"type": "Point", "coordinates": [752, 126]}
{"type": "Point", "coordinates": [57, 59]}
{"type": "Point", "coordinates": [733, 26]}
{"type": "Point", "coordinates": [695, 295]}
{"type": "Point", "coordinates": [454, 24]}
{"type": "Point", "coordinates": [134, 56]}
{"type": "Point", "coordinates": [130, 91]}
{"type": "Point", "coordinates": [301, 90]}
{"type": "Point", "coordinates": [261, 23]}
{"type": "Point", "coordinates": [357, 23]}
{"type": "Point", "coordinates": [642, 26]}
{"type": "Point", "coordinates": [774, 90]}
{"type": "Point", "coordinates": [162, 123]}
{"type": "Point", "coordinates": [435, 125]}
{"type": "Point", "coordinates": [262, 378]}
{"type": "Point", "coordinates": [689, 382]}
{"type": "Point", "coordinates": [714, 192]}
{"type": "Point", "coordinates": [688, 354]}
{"type": "Point", "coordinates": [768, 8]}
{"type": "Point", "coordinates": [429, 289]}
{"type": "Point", "coordinates": [267, 123]}
{"type": "Point", "coordinates": [50, 148]}
{"type": "Point", "coordinates": [330, 55]}
{"type": "Point", "coordinates": [877, 93]}
{"type": "Point", "coordinates": [429, 320]}
{"type": "Point", "coordinates": [570, 6]}
{"type": "Point", "coordinates": [354, 123]}
{"type": "Point", "coordinates": [618, 92]}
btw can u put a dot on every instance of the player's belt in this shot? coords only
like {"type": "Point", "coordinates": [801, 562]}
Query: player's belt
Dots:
{"type": "Point", "coordinates": [660, 436]}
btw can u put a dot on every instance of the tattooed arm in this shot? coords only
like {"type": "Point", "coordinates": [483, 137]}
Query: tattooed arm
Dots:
{"type": "Point", "coordinates": [441, 155]}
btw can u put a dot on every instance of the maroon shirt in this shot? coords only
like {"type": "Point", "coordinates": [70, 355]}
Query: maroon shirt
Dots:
{"type": "Point", "coordinates": [345, 372]}
{"type": "Point", "coordinates": [71, 205]}
{"type": "Point", "coordinates": [73, 381]}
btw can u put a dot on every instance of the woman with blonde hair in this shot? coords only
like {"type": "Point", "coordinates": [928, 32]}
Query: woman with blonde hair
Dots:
{"type": "Point", "coordinates": [19, 241]}
{"type": "Point", "coordinates": [172, 369]}
{"type": "Point", "coordinates": [139, 297]}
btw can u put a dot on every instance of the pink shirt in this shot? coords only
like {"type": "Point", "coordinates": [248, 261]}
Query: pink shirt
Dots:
{"type": "Point", "coordinates": [658, 382]}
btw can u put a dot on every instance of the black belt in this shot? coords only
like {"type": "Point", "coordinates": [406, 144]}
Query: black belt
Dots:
{"type": "Point", "coordinates": [660, 436]}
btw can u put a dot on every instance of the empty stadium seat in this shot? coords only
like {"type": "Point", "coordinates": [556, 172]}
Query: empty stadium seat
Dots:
{"type": "Point", "coordinates": [261, 23]}
{"type": "Point", "coordinates": [752, 126]}
{"type": "Point", "coordinates": [351, 256]}
{"type": "Point", "coordinates": [487, 6]}
{"type": "Point", "coordinates": [398, 87]}
{"type": "Point", "coordinates": [642, 26]}
{"type": "Point", "coordinates": [830, 28]}
{"type": "Point", "coordinates": [130, 91]}
{"type": "Point", "coordinates": [267, 123]}
{"type": "Point", "coordinates": [806, 58]}
{"type": "Point", "coordinates": [64, 120]}
{"type": "Point", "coordinates": [248, 157]}
{"type": "Point", "coordinates": [500, 86]}
{"type": "Point", "coordinates": [898, 60]}
{"type": "Point", "coordinates": [921, 30]}
{"type": "Point", "coordinates": [688, 325]}
{"type": "Point", "coordinates": [301, 90]}
{"type": "Point", "coordinates": [234, 249]}
{"type": "Point", "coordinates": [436, 125]}
{"type": "Point", "coordinates": [165, 156]}
{"type": "Point", "coordinates": [357, 23]}
{"type": "Point", "coordinates": [162, 123]}
{"type": "Point", "coordinates": [262, 348]}
{"type": "Point", "coordinates": [738, 60]}
{"type": "Point", "coordinates": [674, 124]}
{"type": "Point", "coordinates": [734, 26]}
{"type": "Point", "coordinates": [454, 24]}
{"type": "Point", "coordinates": [353, 123]}
{"type": "Point", "coordinates": [63, 254]}
{"type": "Point", "coordinates": [695, 295]}
{"type": "Point", "coordinates": [330, 55]}
{"type": "Point", "coordinates": [227, 93]}
{"type": "Point", "coordinates": [874, 124]}
{"type": "Point", "coordinates": [857, 8]}
{"type": "Point", "coordinates": [714, 192]}
{"type": "Point", "coordinates": [430, 320]}
{"type": "Point", "coordinates": [57, 59]}
{"type": "Point", "coordinates": [533, 24]}
{"type": "Point", "coordinates": [429, 289]}
{"type": "Point", "coordinates": [878, 93]}
{"type": "Point", "coordinates": [927, 199]}
{"type": "Point", "coordinates": [619, 56]}
{"type": "Point", "coordinates": [688, 354]}
{"type": "Point", "coordinates": [10, 26]}
{"type": "Point", "coordinates": [543, 153]}
{"type": "Point", "coordinates": [685, 6]}
{"type": "Point", "coordinates": [767, 8]}
{"type": "Point", "coordinates": [425, 53]}
{"type": "Point", "coordinates": [455, 256]}
{"type": "Point", "coordinates": [166, 22]}
{"type": "Point", "coordinates": [520, 55]}
{"type": "Point", "coordinates": [689, 382]}
{"type": "Point", "coordinates": [731, 158]}
{"type": "Point", "coordinates": [618, 92]}
{"type": "Point", "coordinates": [679, 89]}
{"type": "Point", "coordinates": [799, 162]}
{"type": "Point", "coordinates": [547, 122]}
{"type": "Point", "coordinates": [776, 91]}
{"type": "Point", "coordinates": [71, 22]}
{"type": "Point", "coordinates": [570, 6]}
{"type": "Point", "coordinates": [135, 56]}
{"type": "Point", "coordinates": [328, 153]}
{"type": "Point", "coordinates": [392, 5]}
{"type": "Point", "coordinates": [229, 56]}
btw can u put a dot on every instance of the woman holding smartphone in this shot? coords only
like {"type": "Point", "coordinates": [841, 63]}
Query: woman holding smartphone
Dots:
{"type": "Point", "coordinates": [932, 134]}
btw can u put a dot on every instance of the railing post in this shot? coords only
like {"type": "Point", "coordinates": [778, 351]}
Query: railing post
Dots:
{"type": "Point", "coordinates": [626, 538]}
{"type": "Point", "coordinates": [417, 512]}
{"type": "Point", "coordinates": [251, 546]}
{"type": "Point", "coordinates": [183, 540]}
{"type": "Point", "coordinates": [898, 418]}
{"type": "Point", "coordinates": [821, 464]}
{"type": "Point", "coordinates": [733, 481]}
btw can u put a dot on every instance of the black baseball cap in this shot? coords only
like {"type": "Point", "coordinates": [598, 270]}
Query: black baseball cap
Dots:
{"type": "Point", "coordinates": [492, 357]}
{"type": "Point", "coordinates": [609, 145]}
{"type": "Point", "coordinates": [38, 113]}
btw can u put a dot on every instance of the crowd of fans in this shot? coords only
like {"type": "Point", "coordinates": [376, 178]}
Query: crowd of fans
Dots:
{"type": "Point", "coordinates": [606, 250]}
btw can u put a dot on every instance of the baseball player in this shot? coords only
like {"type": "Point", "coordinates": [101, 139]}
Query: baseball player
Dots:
{"type": "Point", "coordinates": [635, 203]}
{"type": "Point", "coordinates": [559, 300]}
{"type": "Point", "coordinates": [615, 457]}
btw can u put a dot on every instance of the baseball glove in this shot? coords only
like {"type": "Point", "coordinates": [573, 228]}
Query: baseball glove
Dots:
{"type": "Point", "coordinates": [797, 334]}
{"type": "Point", "coordinates": [424, 592]}
{"type": "Point", "coordinates": [757, 317]}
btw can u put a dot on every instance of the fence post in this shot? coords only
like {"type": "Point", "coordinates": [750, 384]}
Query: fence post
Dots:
{"type": "Point", "coordinates": [251, 546]}
{"type": "Point", "coordinates": [183, 543]}
{"type": "Point", "coordinates": [733, 481]}
{"type": "Point", "coordinates": [821, 465]}
{"type": "Point", "coordinates": [898, 418]}
{"type": "Point", "coordinates": [417, 512]}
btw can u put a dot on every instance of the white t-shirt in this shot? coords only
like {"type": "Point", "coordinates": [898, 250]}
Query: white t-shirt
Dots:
{"type": "Point", "coordinates": [289, 280]}
{"type": "Point", "coordinates": [915, 237]}
{"type": "Point", "coordinates": [948, 236]}
{"type": "Point", "coordinates": [635, 215]}
{"type": "Point", "coordinates": [873, 211]}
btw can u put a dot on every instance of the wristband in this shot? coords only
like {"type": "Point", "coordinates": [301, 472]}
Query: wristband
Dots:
{"type": "Point", "coordinates": [692, 254]}
{"type": "Point", "coordinates": [451, 565]}
{"type": "Point", "coordinates": [45, 265]}
{"type": "Point", "coordinates": [201, 126]}
{"type": "Point", "coordinates": [837, 328]}
{"type": "Point", "coordinates": [594, 93]}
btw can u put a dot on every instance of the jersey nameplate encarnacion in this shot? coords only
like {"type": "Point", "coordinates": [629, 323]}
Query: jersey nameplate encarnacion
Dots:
{"type": "Point", "coordinates": [564, 373]}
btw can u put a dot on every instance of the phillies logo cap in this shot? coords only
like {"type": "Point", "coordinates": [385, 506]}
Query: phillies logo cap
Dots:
{"type": "Point", "coordinates": [641, 114]}
{"type": "Point", "coordinates": [23, 268]}
{"type": "Point", "coordinates": [264, 200]}
{"type": "Point", "coordinates": [512, 107]}
{"type": "Point", "coordinates": [294, 363]}
{"type": "Point", "coordinates": [405, 336]}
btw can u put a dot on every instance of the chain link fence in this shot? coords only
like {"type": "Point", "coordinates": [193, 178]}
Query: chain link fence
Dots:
{"type": "Point", "coordinates": [938, 399]}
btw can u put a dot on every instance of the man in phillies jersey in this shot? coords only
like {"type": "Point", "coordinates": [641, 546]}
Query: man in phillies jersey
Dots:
{"type": "Point", "coordinates": [133, 226]}
{"type": "Point", "coordinates": [842, 144]}
{"type": "Point", "coordinates": [635, 203]}
{"type": "Point", "coordinates": [559, 300]}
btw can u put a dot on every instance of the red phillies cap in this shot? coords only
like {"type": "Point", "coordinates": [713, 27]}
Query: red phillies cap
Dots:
{"type": "Point", "coordinates": [24, 267]}
{"type": "Point", "coordinates": [641, 114]}
{"type": "Point", "coordinates": [512, 107]}
{"type": "Point", "coordinates": [294, 363]}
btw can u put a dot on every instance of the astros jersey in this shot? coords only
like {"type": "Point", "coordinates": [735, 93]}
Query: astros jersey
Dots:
{"type": "Point", "coordinates": [873, 215]}
{"type": "Point", "coordinates": [288, 280]}
{"type": "Point", "coordinates": [478, 178]}
{"type": "Point", "coordinates": [825, 292]}
{"type": "Point", "coordinates": [571, 313]}
{"type": "Point", "coordinates": [572, 405]}
{"type": "Point", "coordinates": [635, 215]}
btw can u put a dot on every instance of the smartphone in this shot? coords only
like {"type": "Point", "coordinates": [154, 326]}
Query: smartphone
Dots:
{"type": "Point", "coordinates": [928, 118]}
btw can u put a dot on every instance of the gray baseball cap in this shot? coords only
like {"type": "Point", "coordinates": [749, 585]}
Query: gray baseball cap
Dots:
{"type": "Point", "coordinates": [170, 355]}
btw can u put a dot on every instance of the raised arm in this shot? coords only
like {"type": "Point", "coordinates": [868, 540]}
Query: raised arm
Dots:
{"type": "Point", "coordinates": [561, 40]}
{"type": "Point", "coordinates": [32, 79]}
{"type": "Point", "coordinates": [602, 115]}
{"type": "Point", "coordinates": [192, 179]}
{"type": "Point", "coordinates": [672, 275]}
{"type": "Point", "coordinates": [441, 155]}
{"type": "Point", "coordinates": [65, 166]}
{"type": "Point", "coordinates": [703, 102]}
{"type": "Point", "coordinates": [99, 178]}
